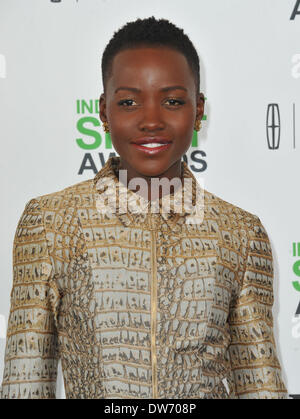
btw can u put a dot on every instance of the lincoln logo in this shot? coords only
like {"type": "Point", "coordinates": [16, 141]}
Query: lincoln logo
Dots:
{"type": "Point", "coordinates": [273, 126]}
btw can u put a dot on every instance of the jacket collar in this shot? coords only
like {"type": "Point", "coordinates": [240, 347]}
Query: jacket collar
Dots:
{"type": "Point", "coordinates": [185, 205]}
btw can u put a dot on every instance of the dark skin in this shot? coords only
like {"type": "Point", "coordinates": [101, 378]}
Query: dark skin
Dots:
{"type": "Point", "coordinates": [151, 111]}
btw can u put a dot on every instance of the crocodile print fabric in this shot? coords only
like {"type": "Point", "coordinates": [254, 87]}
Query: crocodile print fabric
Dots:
{"type": "Point", "coordinates": [140, 305]}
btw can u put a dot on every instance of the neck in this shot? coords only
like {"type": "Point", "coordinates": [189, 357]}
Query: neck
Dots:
{"type": "Point", "coordinates": [153, 193]}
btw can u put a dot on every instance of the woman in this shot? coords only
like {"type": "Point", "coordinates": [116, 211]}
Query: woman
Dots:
{"type": "Point", "coordinates": [140, 303]}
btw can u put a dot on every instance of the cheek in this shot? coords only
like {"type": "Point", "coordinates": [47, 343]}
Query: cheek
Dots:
{"type": "Point", "coordinates": [183, 128]}
{"type": "Point", "coordinates": [121, 125]}
{"type": "Point", "coordinates": [182, 120]}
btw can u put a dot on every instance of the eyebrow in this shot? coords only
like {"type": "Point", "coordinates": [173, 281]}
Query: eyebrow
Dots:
{"type": "Point", "coordinates": [164, 89]}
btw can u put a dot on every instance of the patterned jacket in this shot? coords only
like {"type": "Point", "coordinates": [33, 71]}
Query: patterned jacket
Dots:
{"type": "Point", "coordinates": [138, 304]}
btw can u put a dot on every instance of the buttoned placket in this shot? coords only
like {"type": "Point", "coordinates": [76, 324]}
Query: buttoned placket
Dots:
{"type": "Point", "coordinates": [153, 229]}
{"type": "Point", "coordinates": [173, 219]}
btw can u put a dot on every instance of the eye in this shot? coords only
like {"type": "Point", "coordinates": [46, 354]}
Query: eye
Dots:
{"type": "Point", "coordinates": [179, 102]}
{"type": "Point", "coordinates": [125, 101]}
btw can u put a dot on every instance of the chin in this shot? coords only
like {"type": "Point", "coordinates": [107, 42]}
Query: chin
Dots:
{"type": "Point", "coordinates": [153, 168]}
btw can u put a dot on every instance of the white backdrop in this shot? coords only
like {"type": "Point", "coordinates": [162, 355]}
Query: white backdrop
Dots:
{"type": "Point", "coordinates": [50, 57]}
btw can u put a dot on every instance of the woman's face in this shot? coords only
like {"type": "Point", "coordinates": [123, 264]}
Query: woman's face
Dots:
{"type": "Point", "coordinates": [142, 102]}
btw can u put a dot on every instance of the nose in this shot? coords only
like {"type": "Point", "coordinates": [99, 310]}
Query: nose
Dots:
{"type": "Point", "coordinates": [151, 119]}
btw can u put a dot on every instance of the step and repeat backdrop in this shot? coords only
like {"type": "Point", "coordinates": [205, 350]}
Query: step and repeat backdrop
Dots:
{"type": "Point", "coordinates": [248, 151]}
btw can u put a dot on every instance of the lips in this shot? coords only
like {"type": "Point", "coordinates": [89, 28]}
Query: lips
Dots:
{"type": "Point", "coordinates": [148, 140]}
{"type": "Point", "coordinates": [150, 150]}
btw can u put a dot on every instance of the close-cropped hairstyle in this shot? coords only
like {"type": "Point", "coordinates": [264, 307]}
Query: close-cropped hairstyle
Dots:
{"type": "Point", "coordinates": [150, 32]}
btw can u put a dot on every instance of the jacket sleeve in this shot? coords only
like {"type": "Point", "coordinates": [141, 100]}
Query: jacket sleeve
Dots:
{"type": "Point", "coordinates": [31, 352]}
{"type": "Point", "coordinates": [255, 365]}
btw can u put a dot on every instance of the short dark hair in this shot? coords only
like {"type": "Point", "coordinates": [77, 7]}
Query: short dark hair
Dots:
{"type": "Point", "coordinates": [150, 32]}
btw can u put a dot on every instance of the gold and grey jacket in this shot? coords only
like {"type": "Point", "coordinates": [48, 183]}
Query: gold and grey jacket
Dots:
{"type": "Point", "coordinates": [139, 304]}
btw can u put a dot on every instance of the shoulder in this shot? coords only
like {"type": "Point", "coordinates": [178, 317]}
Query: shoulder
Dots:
{"type": "Point", "coordinates": [54, 211]}
{"type": "Point", "coordinates": [237, 225]}
{"type": "Point", "coordinates": [227, 213]}
{"type": "Point", "coordinates": [67, 198]}
{"type": "Point", "coordinates": [242, 233]}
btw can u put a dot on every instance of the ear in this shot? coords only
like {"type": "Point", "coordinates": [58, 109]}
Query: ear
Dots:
{"type": "Point", "coordinates": [102, 108]}
{"type": "Point", "coordinates": [200, 106]}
